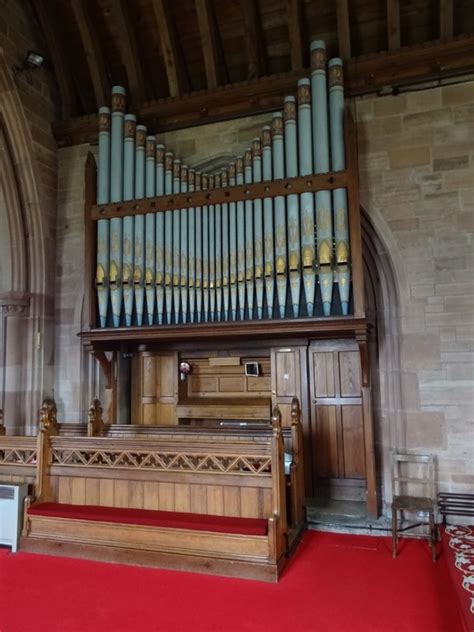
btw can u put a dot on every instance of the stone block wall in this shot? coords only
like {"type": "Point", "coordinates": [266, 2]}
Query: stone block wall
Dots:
{"type": "Point", "coordinates": [416, 158]}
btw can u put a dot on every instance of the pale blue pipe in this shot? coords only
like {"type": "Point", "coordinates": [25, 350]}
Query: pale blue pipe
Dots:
{"type": "Point", "coordinates": [150, 190]}
{"type": "Point", "coordinates": [232, 248]}
{"type": "Point", "coordinates": [258, 218]}
{"type": "Point", "coordinates": [278, 156]}
{"type": "Point", "coordinates": [268, 240]}
{"type": "Point", "coordinates": [103, 227]}
{"type": "Point", "coordinates": [130, 122]}
{"type": "Point", "coordinates": [239, 179]}
{"type": "Point", "coordinates": [205, 252]}
{"type": "Point", "coordinates": [183, 248]}
{"type": "Point", "coordinates": [192, 250]}
{"type": "Point", "coordinates": [176, 240]}
{"type": "Point", "coordinates": [225, 250]}
{"type": "Point", "coordinates": [139, 247]}
{"type": "Point", "coordinates": [249, 237]}
{"type": "Point", "coordinates": [160, 235]}
{"type": "Point", "coordinates": [116, 194]}
{"type": "Point", "coordinates": [169, 239]}
{"type": "Point", "coordinates": [218, 238]}
{"type": "Point", "coordinates": [212, 256]}
{"type": "Point", "coordinates": [293, 207]}
{"type": "Point", "coordinates": [199, 280]}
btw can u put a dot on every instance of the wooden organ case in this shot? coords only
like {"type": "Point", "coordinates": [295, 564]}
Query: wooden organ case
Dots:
{"type": "Point", "coordinates": [259, 263]}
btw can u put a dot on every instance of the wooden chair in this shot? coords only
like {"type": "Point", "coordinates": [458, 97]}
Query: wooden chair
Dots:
{"type": "Point", "coordinates": [402, 501]}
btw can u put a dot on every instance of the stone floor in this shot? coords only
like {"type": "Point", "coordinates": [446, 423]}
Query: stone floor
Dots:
{"type": "Point", "coordinates": [345, 516]}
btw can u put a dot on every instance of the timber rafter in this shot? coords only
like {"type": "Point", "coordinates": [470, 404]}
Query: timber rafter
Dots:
{"type": "Point", "coordinates": [364, 75]}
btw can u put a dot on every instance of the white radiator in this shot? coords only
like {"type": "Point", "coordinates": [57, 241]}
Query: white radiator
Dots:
{"type": "Point", "coordinates": [12, 496]}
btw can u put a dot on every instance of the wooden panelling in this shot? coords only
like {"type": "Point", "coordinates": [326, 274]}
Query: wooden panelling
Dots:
{"type": "Point", "coordinates": [353, 442]}
{"type": "Point", "coordinates": [204, 499]}
{"type": "Point", "coordinates": [286, 377]}
{"type": "Point", "coordinates": [324, 378]}
{"type": "Point", "coordinates": [338, 444]}
{"type": "Point", "coordinates": [154, 388]}
{"type": "Point", "coordinates": [349, 371]}
{"type": "Point", "coordinates": [324, 437]}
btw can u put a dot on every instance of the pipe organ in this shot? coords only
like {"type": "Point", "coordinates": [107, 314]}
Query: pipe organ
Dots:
{"type": "Point", "coordinates": [275, 256]}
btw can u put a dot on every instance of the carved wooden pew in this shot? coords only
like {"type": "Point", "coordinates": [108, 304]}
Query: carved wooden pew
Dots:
{"type": "Point", "coordinates": [170, 501]}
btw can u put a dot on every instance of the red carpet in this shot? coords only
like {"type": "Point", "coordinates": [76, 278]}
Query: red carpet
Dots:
{"type": "Point", "coordinates": [335, 583]}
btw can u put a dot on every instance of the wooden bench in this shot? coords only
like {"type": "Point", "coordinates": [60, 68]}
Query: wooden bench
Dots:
{"type": "Point", "coordinates": [215, 506]}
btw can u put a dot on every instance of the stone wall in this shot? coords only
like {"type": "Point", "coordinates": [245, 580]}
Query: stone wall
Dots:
{"type": "Point", "coordinates": [417, 187]}
{"type": "Point", "coordinates": [28, 104]}
{"type": "Point", "coordinates": [416, 157]}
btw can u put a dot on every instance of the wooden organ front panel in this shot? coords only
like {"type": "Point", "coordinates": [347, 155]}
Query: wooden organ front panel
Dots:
{"type": "Point", "coordinates": [154, 388]}
{"type": "Point", "coordinates": [337, 425]}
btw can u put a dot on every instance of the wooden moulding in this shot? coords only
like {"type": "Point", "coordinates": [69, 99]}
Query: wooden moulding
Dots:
{"type": "Point", "coordinates": [260, 190]}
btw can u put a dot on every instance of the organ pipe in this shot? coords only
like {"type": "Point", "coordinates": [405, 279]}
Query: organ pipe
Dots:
{"type": "Point", "coordinates": [279, 209]}
{"type": "Point", "coordinates": [139, 225]}
{"type": "Point", "coordinates": [130, 121]}
{"type": "Point", "coordinates": [103, 225]}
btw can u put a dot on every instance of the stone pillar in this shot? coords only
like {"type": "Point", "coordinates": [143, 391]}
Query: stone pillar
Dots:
{"type": "Point", "coordinates": [14, 307]}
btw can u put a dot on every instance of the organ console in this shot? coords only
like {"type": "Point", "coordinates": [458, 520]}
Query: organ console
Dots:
{"type": "Point", "coordinates": [241, 255]}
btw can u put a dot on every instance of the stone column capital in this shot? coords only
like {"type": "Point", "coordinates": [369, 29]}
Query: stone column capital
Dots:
{"type": "Point", "coordinates": [14, 303]}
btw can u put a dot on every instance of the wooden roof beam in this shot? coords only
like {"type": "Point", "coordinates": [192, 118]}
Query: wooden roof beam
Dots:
{"type": "Point", "coordinates": [214, 63]}
{"type": "Point", "coordinates": [364, 75]}
{"type": "Point", "coordinates": [57, 56]}
{"type": "Point", "coordinates": [343, 29]}
{"type": "Point", "coordinates": [130, 51]}
{"type": "Point", "coordinates": [257, 62]}
{"type": "Point", "coordinates": [295, 30]}
{"type": "Point", "coordinates": [393, 24]}
{"type": "Point", "coordinates": [446, 19]}
{"type": "Point", "coordinates": [91, 45]}
{"type": "Point", "coordinates": [172, 54]}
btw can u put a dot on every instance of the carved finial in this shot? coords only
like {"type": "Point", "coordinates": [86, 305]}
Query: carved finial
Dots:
{"type": "Point", "coordinates": [48, 413]}
{"type": "Point", "coordinates": [295, 411]}
{"type": "Point", "coordinates": [94, 417]}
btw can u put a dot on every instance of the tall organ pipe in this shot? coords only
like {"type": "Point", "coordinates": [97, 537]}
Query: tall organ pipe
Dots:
{"type": "Point", "coordinates": [183, 248]}
{"type": "Point", "coordinates": [293, 210]}
{"type": "Point", "coordinates": [218, 249]}
{"type": "Point", "coordinates": [116, 193]}
{"type": "Point", "coordinates": [198, 211]}
{"type": "Point", "coordinates": [233, 247]}
{"type": "Point", "coordinates": [103, 232]}
{"type": "Point", "coordinates": [205, 250]}
{"type": "Point", "coordinates": [258, 226]}
{"type": "Point", "coordinates": [249, 236]}
{"type": "Point", "coordinates": [225, 249]}
{"type": "Point", "coordinates": [176, 240]}
{"type": "Point", "coordinates": [160, 235]}
{"type": "Point", "coordinates": [341, 222]}
{"type": "Point", "coordinates": [169, 239]}
{"type": "Point", "coordinates": [191, 249]}
{"type": "Point", "coordinates": [268, 239]}
{"type": "Point", "coordinates": [150, 187]}
{"type": "Point", "coordinates": [321, 165]}
{"type": "Point", "coordinates": [139, 232]}
{"type": "Point", "coordinates": [130, 123]}
{"type": "Point", "coordinates": [278, 156]}
{"type": "Point", "coordinates": [239, 179]}
{"type": "Point", "coordinates": [305, 156]}
{"type": "Point", "coordinates": [212, 254]}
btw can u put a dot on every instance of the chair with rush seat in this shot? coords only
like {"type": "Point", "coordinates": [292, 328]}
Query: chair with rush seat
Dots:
{"type": "Point", "coordinates": [413, 472]}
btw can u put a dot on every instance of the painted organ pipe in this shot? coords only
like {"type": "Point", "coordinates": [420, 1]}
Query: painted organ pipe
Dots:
{"type": "Point", "coordinates": [222, 261]}
{"type": "Point", "coordinates": [341, 222]}
{"type": "Point", "coordinates": [116, 194]}
{"type": "Point", "coordinates": [192, 248]}
{"type": "Point", "coordinates": [233, 246]}
{"type": "Point", "coordinates": [280, 214]}
{"type": "Point", "coordinates": [160, 235]}
{"type": "Point", "coordinates": [139, 225]}
{"type": "Point", "coordinates": [258, 226]}
{"type": "Point", "coordinates": [321, 165]}
{"type": "Point", "coordinates": [239, 179]}
{"type": "Point", "coordinates": [183, 250]}
{"type": "Point", "coordinates": [249, 235]}
{"type": "Point", "coordinates": [169, 238]}
{"type": "Point", "coordinates": [130, 122]}
{"type": "Point", "coordinates": [205, 251]}
{"type": "Point", "coordinates": [218, 250]}
{"type": "Point", "coordinates": [225, 250]}
{"type": "Point", "coordinates": [176, 240]}
{"type": "Point", "coordinates": [212, 254]}
{"type": "Point", "coordinates": [150, 189]}
{"type": "Point", "coordinates": [198, 211]}
{"type": "Point", "coordinates": [103, 227]}
{"type": "Point", "coordinates": [268, 239]}
{"type": "Point", "coordinates": [293, 206]}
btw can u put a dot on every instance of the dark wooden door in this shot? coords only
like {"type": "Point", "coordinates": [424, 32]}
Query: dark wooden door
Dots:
{"type": "Point", "coordinates": [337, 424]}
